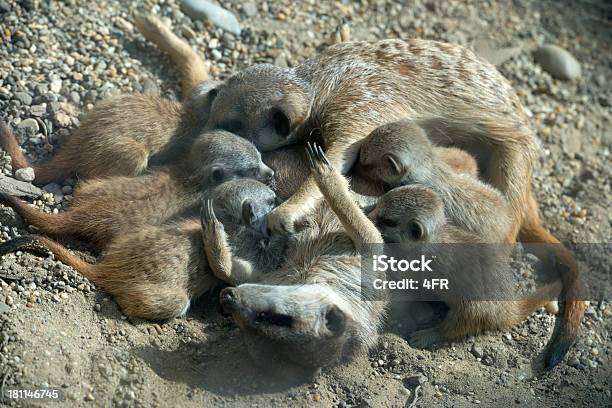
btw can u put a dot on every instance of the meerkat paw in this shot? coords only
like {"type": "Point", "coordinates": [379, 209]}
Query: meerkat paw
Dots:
{"type": "Point", "coordinates": [426, 338]}
{"type": "Point", "coordinates": [208, 219]}
{"type": "Point", "coordinates": [320, 166]}
{"type": "Point", "coordinates": [282, 220]}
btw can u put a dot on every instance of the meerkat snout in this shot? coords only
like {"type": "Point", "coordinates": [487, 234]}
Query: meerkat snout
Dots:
{"type": "Point", "coordinates": [266, 174]}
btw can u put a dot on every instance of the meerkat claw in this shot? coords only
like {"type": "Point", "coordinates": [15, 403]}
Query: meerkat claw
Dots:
{"type": "Point", "coordinates": [425, 338]}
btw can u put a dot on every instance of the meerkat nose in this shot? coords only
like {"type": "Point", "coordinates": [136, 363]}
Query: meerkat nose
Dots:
{"type": "Point", "coordinates": [228, 298]}
{"type": "Point", "coordinates": [267, 172]}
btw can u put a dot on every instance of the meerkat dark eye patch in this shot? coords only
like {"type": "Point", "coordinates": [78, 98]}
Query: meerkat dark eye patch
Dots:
{"type": "Point", "coordinates": [280, 122]}
{"type": "Point", "coordinates": [217, 174]}
{"type": "Point", "coordinates": [212, 94]}
{"type": "Point", "coordinates": [416, 230]}
{"type": "Point", "coordinates": [248, 212]}
{"type": "Point", "coordinates": [335, 320]}
{"type": "Point", "coordinates": [386, 222]}
{"type": "Point", "coordinates": [274, 319]}
{"type": "Point", "coordinates": [232, 125]}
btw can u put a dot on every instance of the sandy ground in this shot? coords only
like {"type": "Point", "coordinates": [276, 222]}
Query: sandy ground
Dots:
{"type": "Point", "coordinates": [56, 330]}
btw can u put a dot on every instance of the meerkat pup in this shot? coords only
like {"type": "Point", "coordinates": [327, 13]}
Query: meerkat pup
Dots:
{"type": "Point", "coordinates": [400, 153]}
{"type": "Point", "coordinates": [416, 214]}
{"type": "Point", "coordinates": [103, 208]}
{"type": "Point", "coordinates": [124, 135]}
{"type": "Point", "coordinates": [154, 272]}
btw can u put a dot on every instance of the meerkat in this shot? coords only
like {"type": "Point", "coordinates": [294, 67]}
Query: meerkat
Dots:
{"type": "Point", "coordinates": [416, 214]}
{"type": "Point", "coordinates": [154, 272]}
{"type": "Point", "coordinates": [400, 153]}
{"type": "Point", "coordinates": [103, 208]}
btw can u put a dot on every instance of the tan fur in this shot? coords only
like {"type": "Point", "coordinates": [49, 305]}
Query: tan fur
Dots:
{"type": "Point", "coordinates": [193, 69]}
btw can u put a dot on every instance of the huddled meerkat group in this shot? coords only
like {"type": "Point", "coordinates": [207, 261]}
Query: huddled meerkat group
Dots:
{"type": "Point", "coordinates": [275, 182]}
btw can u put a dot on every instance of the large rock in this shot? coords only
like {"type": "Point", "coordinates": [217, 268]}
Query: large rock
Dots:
{"type": "Point", "coordinates": [18, 188]}
{"type": "Point", "coordinates": [557, 62]}
{"type": "Point", "coordinates": [202, 9]}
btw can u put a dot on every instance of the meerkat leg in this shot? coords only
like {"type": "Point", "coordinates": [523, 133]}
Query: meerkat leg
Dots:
{"type": "Point", "coordinates": [153, 302]}
{"type": "Point", "coordinates": [192, 67]}
{"type": "Point", "coordinates": [335, 188]}
{"type": "Point", "coordinates": [224, 265]}
{"type": "Point", "coordinates": [341, 156]}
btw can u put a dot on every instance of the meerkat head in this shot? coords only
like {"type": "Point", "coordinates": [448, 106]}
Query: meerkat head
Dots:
{"type": "Point", "coordinates": [263, 103]}
{"type": "Point", "coordinates": [300, 327]}
{"type": "Point", "coordinates": [244, 202]}
{"type": "Point", "coordinates": [218, 156]}
{"type": "Point", "coordinates": [408, 214]}
{"type": "Point", "coordinates": [397, 153]}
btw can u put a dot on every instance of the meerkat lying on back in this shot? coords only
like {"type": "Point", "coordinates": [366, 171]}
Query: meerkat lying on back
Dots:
{"type": "Point", "coordinates": [416, 214]}
{"type": "Point", "coordinates": [400, 153]}
{"type": "Point", "coordinates": [155, 271]}
{"type": "Point", "coordinates": [103, 208]}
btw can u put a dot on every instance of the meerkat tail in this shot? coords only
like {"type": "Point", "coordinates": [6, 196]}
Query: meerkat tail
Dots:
{"type": "Point", "coordinates": [571, 306]}
{"type": "Point", "coordinates": [47, 223]}
{"type": "Point", "coordinates": [8, 142]}
{"type": "Point", "coordinates": [41, 244]}
{"type": "Point", "coordinates": [56, 169]}
{"type": "Point", "coordinates": [192, 67]}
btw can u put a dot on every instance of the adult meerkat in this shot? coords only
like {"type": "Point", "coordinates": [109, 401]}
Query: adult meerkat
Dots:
{"type": "Point", "coordinates": [103, 208]}
{"type": "Point", "coordinates": [154, 272]}
{"type": "Point", "coordinates": [416, 214]}
{"type": "Point", "coordinates": [400, 153]}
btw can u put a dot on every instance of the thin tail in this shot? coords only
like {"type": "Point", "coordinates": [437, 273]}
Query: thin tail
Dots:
{"type": "Point", "coordinates": [571, 305]}
{"type": "Point", "coordinates": [192, 67]}
{"type": "Point", "coordinates": [8, 142]}
{"type": "Point", "coordinates": [41, 244]}
{"type": "Point", "coordinates": [54, 224]}
{"type": "Point", "coordinates": [56, 169]}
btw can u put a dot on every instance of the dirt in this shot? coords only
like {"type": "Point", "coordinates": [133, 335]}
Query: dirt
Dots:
{"type": "Point", "coordinates": [58, 331]}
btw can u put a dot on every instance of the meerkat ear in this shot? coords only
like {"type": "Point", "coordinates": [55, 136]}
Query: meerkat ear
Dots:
{"type": "Point", "coordinates": [248, 212]}
{"type": "Point", "coordinates": [417, 230]}
{"type": "Point", "coordinates": [335, 320]}
{"type": "Point", "coordinates": [210, 89]}
{"type": "Point", "coordinates": [217, 174]}
{"type": "Point", "coordinates": [394, 163]}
